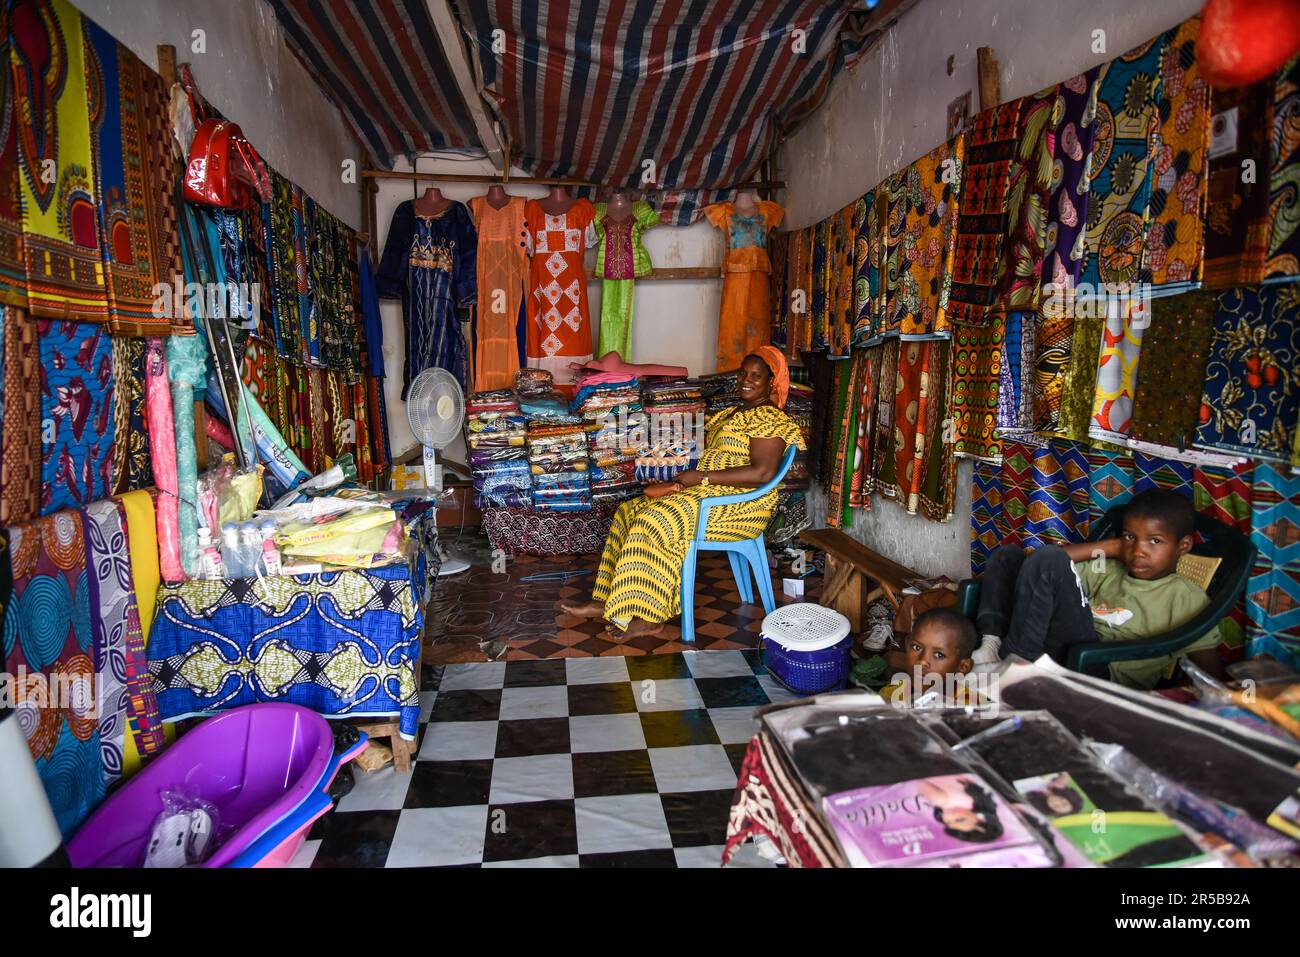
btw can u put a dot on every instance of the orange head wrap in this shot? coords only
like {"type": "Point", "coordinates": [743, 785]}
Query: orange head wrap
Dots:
{"type": "Point", "coordinates": [772, 357]}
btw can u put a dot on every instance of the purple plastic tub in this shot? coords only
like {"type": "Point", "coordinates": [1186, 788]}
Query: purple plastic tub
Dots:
{"type": "Point", "coordinates": [258, 764]}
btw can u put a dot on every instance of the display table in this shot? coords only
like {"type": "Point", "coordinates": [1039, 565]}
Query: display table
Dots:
{"type": "Point", "coordinates": [770, 801]}
{"type": "Point", "coordinates": [345, 644]}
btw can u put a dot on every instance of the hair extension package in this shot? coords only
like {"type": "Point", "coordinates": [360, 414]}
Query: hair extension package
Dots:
{"type": "Point", "coordinates": [1109, 822]}
{"type": "Point", "coordinates": [894, 794]}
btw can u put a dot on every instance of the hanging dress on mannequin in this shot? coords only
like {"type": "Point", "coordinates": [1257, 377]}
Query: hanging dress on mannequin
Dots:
{"type": "Point", "coordinates": [559, 317]}
{"type": "Point", "coordinates": [621, 258]}
{"type": "Point", "coordinates": [502, 272]}
{"type": "Point", "coordinates": [429, 263]}
{"type": "Point", "coordinates": [746, 319]}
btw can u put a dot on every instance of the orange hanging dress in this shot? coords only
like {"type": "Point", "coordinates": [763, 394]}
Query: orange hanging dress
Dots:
{"type": "Point", "coordinates": [502, 273]}
{"type": "Point", "coordinates": [746, 320]}
{"type": "Point", "coordinates": [559, 317]}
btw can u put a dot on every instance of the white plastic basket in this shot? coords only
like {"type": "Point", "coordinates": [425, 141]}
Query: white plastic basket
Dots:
{"type": "Point", "coordinates": [805, 626]}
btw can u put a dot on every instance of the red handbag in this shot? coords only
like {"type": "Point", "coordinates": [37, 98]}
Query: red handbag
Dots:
{"type": "Point", "coordinates": [223, 168]}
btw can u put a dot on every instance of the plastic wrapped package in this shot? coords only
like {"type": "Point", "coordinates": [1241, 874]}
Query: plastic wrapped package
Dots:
{"type": "Point", "coordinates": [162, 453]}
{"type": "Point", "coordinates": [185, 370]}
{"type": "Point", "coordinates": [182, 832]}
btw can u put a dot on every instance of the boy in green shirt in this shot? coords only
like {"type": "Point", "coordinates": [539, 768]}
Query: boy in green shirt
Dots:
{"type": "Point", "coordinates": [1114, 589]}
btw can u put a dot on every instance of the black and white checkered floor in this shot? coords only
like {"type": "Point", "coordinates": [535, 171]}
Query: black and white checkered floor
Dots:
{"type": "Point", "coordinates": [617, 761]}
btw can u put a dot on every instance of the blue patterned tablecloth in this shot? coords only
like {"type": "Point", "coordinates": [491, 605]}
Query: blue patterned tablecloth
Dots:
{"type": "Point", "coordinates": [345, 644]}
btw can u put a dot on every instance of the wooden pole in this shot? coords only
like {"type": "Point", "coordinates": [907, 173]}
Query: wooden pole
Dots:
{"type": "Point", "coordinates": [545, 181]}
{"type": "Point", "coordinates": [990, 78]}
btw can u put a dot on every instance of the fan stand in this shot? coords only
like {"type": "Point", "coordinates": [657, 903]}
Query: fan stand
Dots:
{"type": "Point", "coordinates": [450, 564]}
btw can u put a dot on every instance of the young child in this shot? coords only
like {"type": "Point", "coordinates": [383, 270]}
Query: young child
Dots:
{"type": "Point", "coordinates": [941, 644]}
{"type": "Point", "coordinates": [1118, 588]}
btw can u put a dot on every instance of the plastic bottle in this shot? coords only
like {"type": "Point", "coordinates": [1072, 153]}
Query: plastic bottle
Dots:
{"type": "Point", "coordinates": [210, 565]}
{"type": "Point", "coordinates": [270, 554]}
{"type": "Point", "coordinates": [231, 557]}
{"type": "Point", "coordinates": [250, 547]}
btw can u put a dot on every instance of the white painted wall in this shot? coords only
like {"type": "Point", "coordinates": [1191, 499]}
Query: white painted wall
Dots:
{"type": "Point", "coordinates": [892, 109]}
{"type": "Point", "coordinates": [249, 74]}
{"type": "Point", "coordinates": [674, 321]}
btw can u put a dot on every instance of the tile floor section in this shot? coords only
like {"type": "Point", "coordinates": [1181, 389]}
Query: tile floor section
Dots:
{"type": "Point", "coordinates": [588, 761]}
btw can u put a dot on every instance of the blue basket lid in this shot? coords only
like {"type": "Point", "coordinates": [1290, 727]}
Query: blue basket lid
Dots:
{"type": "Point", "coordinates": [805, 626]}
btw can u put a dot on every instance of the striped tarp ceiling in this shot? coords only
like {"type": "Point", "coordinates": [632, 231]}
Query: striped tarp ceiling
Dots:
{"type": "Point", "coordinates": [692, 92]}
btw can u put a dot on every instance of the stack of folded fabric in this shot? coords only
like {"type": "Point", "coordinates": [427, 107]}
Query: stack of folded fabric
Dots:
{"type": "Point", "coordinates": [534, 382]}
{"type": "Point", "coordinates": [674, 430]}
{"type": "Point", "coordinates": [558, 461]}
{"type": "Point", "coordinates": [498, 450]}
{"type": "Point", "coordinates": [547, 408]}
{"type": "Point", "coordinates": [610, 406]}
{"type": "Point", "coordinates": [721, 391]}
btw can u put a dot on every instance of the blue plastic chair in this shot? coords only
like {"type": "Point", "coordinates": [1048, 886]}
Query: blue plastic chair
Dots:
{"type": "Point", "coordinates": [753, 549]}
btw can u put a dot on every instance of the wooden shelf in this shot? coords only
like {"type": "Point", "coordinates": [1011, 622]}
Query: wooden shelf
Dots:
{"type": "Point", "coordinates": [676, 272]}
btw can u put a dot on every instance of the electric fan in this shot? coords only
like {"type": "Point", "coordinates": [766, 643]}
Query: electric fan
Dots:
{"type": "Point", "coordinates": [435, 408]}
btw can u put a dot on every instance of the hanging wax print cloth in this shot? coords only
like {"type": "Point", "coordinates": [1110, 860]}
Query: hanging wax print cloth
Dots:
{"type": "Point", "coordinates": [921, 238]}
{"type": "Point", "coordinates": [977, 363]}
{"type": "Point", "coordinates": [1121, 347]}
{"type": "Point", "coordinates": [1172, 257]}
{"type": "Point", "coordinates": [1016, 382]}
{"type": "Point", "coordinates": [1074, 117]}
{"type": "Point", "coordinates": [1029, 187]}
{"type": "Point", "coordinates": [1273, 592]}
{"type": "Point", "coordinates": [559, 318]}
{"type": "Point", "coordinates": [429, 262]}
{"type": "Point", "coordinates": [502, 265]}
{"type": "Point", "coordinates": [77, 403]}
{"type": "Point", "coordinates": [1044, 495]}
{"type": "Point", "coordinates": [134, 237]}
{"type": "Point", "coordinates": [937, 493]}
{"type": "Point", "coordinates": [779, 253]}
{"type": "Point", "coordinates": [284, 269]}
{"type": "Point", "coordinates": [745, 322]}
{"type": "Point", "coordinates": [49, 640]}
{"type": "Point", "coordinates": [1251, 397]}
{"type": "Point", "coordinates": [1167, 400]}
{"type": "Point", "coordinates": [13, 265]}
{"type": "Point", "coordinates": [860, 480]}
{"type": "Point", "coordinates": [1283, 262]}
{"type": "Point", "coordinates": [985, 513]}
{"type": "Point", "coordinates": [1121, 165]}
{"type": "Point", "coordinates": [842, 312]}
{"type": "Point", "coordinates": [20, 466]}
{"type": "Point", "coordinates": [1079, 385]}
{"type": "Point", "coordinates": [982, 222]}
{"type": "Point", "coordinates": [867, 250]}
{"type": "Point", "coordinates": [61, 223]}
{"type": "Point", "coordinates": [132, 468]}
{"type": "Point", "coordinates": [621, 258]}
{"type": "Point", "coordinates": [1237, 219]}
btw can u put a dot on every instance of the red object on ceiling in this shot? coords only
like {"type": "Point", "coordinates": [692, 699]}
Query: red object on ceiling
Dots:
{"type": "Point", "coordinates": [1243, 41]}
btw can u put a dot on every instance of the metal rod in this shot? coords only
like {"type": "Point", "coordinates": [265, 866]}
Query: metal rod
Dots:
{"type": "Point", "coordinates": [547, 181]}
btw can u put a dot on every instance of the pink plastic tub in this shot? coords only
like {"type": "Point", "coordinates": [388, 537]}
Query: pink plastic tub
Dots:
{"type": "Point", "coordinates": [266, 767]}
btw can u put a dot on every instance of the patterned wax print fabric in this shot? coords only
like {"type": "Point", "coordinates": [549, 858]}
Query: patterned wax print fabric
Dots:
{"type": "Point", "coordinates": [884, 462]}
{"type": "Point", "coordinates": [867, 250]}
{"type": "Point", "coordinates": [861, 481]}
{"type": "Point", "coordinates": [1283, 263]}
{"type": "Point", "coordinates": [49, 641]}
{"type": "Point", "coordinates": [937, 497]}
{"type": "Point", "coordinates": [1110, 479]}
{"type": "Point", "coordinates": [502, 265]}
{"type": "Point", "coordinates": [1044, 494]}
{"type": "Point", "coordinates": [977, 362]}
{"type": "Point", "coordinates": [20, 466]}
{"type": "Point", "coordinates": [985, 513]}
{"type": "Point", "coordinates": [817, 285]}
{"type": "Point", "coordinates": [344, 644]}
{"type": "Point", "coordinates": [640, 569]}
{"type": "Point", "coordinates": [848, 387]}
{"type": "Point", "coordinates": [132, 468]}
{"type": "Point", "coordinates": [1175, 242]}
{"type": "Point", "coordinates": [559, 317]}
{"type": "Point", "coordinates": [284, 270]}
{"type": "Point", "coordinates": [13, 265]}
{"type": "Point", "coordinates": [1074, 128]}
{"type": "Point", "coordinates": [982, 222]}
{"type": "Point", "coordinates": [429, 262]}
{"type": "Point", "coordinates": [1079, 385]}
{"type": "Point", "coordinates": [60, 213]}
{"type": "Point", "coordinates": [1237, 217]}
{"type": "Point", "coordinates": [1251, 398]}
{"type": "Point", "coordinates": [1121, 170]}
{"type": "Point", "coordinates": [921, 241]}
{"type": "Point", "coordinates": [1117, 367]}
{"type": "Point", "coordinates": [1167, 401]}
{"type": "Point", "coordinates": [1273, 592]}
{"type": "Point", "coordinates": [1053, 344]}
{"type": "Point", "coordinates": [523, 531]}
{"type": "Point", "coordinates": [1016, 376]}
{"type": "Point", "coordinates": [843, 312]}
{"type": "Point", "coordinates": [916, 387]}
{"type": "Point", "coordinates": [77, 405]}
{"type": "Point", "coordinates": [621, 257]}
{"type": "Point", "coordinates": [745, 322]}
{"type": "Point", "coordinates": [135, 236]}
{"type": "Point", "coordinates": [1029, 190]}
{"type": "Point", "coordinates": [112, 595]}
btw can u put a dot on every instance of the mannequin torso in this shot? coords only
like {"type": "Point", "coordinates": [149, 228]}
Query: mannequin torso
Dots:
{"type": "Point", "coordinates": [432, 203]}
{"type": "Point", "coordinates": [557, 202]}
{"type": "Point", "coordinates": [619, 207]}
{"type": "Point", "coordinates": [497, 197]}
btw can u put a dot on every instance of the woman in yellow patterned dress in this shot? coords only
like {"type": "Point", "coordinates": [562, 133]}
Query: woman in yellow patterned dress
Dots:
{"type": "Point", "coordinates": [638, 586]}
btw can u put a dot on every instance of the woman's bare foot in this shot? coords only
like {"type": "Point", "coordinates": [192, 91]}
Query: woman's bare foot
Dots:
{"type": "Point", "coordinates": [591, 609]}
{"type": "Point", "coordinates": [636, 628]}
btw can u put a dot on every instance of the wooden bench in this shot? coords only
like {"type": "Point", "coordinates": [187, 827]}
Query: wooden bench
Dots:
{"type": "Point", "coordinates": [855, 575]}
